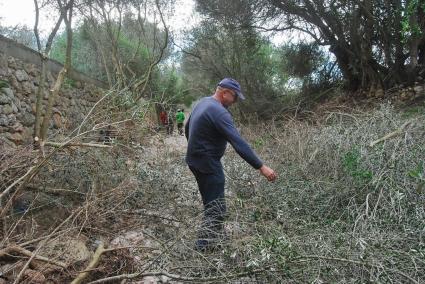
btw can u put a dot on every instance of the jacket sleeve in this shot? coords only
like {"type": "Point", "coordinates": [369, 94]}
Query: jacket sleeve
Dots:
{"type": "Point", "coordinates": [225, 126]}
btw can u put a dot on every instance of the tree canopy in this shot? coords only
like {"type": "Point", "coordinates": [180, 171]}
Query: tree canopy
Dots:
{"type": "Point", "coordinates": [363, 46]}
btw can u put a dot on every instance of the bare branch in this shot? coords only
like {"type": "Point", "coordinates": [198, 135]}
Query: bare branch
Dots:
{"type": "Point", "coordinates": [93, 263]}
{"type": "Point", "coordinates": [20, 250]}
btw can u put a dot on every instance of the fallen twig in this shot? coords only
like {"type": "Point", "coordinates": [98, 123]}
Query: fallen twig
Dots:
{"type": "Point", "coordinates": [93, 263]}
{"type": "Point", "coordinates": [40, 245]}
{"type": "Point", "coordinates": [176, 277]}
{"type": "Point", "coordinates": [20, 250]}
{"type": "Point", "coordinates": [76, 144]}
{"type": "Point", "coordinates": [9, 188]}
{"type": "Point", "coordinates": [399, 131]}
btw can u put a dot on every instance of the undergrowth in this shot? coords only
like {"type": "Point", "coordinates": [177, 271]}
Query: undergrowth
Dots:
{"type": "Point", "coordinates": [341, 211]}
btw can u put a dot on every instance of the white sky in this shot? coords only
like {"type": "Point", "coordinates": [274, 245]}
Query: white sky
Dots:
{"type": "Point", "coordinates": [14, 12]}
{"type": "Point", "coordinates": [22, 12]}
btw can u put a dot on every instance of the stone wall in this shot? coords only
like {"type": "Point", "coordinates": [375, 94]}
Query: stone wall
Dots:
{"type": "Point", "coordinates": [28, 55]}
{"type": "Point", "coordinates": [18, 98]}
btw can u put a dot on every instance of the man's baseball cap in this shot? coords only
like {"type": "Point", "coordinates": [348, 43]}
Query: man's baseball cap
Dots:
{"type": "Point", "coordinates": [232, 84]}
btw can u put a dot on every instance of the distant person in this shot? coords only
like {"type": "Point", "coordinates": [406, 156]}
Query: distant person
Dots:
{"type": "Point", "coordinates": [209, 128]}
{"type": "Point", "coordinates": [163, 118]}
{"type": "Point", "coordinates": [180, 120]}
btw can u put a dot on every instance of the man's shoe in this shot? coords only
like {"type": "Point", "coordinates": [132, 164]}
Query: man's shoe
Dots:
{"type": "Point", "coordinates": [207, 245]}
{"type": "Point", "coordinates": [201, 245]}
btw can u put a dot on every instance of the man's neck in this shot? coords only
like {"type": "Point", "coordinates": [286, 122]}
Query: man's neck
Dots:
{"type": "Point", "coordinates": [215, 96]}
{"type": "Point", "coordinates": [219, 99]}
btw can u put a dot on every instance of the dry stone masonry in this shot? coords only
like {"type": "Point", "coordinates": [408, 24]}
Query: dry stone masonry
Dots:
{"type": "Point", "coordinates": [19, 82]}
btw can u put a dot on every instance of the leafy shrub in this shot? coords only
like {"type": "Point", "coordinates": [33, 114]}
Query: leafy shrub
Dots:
{"type": "Point", "coordinates": [351, 162]}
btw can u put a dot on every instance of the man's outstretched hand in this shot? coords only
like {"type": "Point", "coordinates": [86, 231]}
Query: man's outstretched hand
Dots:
{"type": "Point", "coordinates": [268, 173]}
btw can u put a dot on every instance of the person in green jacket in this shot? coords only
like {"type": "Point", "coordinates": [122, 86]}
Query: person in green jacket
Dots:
{"type": "Point", "coordinates": [180, 120]}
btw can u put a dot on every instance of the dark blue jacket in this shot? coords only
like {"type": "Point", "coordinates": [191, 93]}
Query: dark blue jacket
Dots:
{"type": "Point", "coordinates": [209, 128]}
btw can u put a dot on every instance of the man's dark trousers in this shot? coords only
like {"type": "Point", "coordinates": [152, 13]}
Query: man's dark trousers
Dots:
{"type": "Point", "coordinates": [211, 187]}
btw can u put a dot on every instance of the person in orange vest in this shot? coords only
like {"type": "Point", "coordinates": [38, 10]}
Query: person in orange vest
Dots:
{"type": "Point", "coordinates": [163, 118]}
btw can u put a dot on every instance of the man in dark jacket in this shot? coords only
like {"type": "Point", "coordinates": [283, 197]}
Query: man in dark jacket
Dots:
{"type": "Point", "coordinates": [209, 128]}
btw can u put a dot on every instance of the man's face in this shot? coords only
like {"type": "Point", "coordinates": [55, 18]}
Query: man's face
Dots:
{"type": "Point", "coordinates": [229, 97]}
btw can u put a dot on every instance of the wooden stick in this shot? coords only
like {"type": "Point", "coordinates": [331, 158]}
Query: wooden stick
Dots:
{"type": "Point", "coordinates": [399, 131]}
{"type": "Point", "coordinates": [76, 144]}
{"type": "Point", "coordinates": [175, 276]}
{"type": "Point", "coordinates": [28, 253]}
{"type": "Point", "coordinates": [40, 245]}
{"type": "Point", "coordinates": [93, 263]}
{"type": "Point", "coordinates": [8, 189]}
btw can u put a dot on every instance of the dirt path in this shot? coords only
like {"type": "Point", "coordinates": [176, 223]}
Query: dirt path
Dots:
{"type": "Point", "coordinates": [162, 145]}
{"type": "Point", "coordinates": [176, 143]}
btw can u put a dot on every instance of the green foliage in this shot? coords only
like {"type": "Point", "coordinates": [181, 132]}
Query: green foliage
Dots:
{"type": "Point", "coordinates": [68, 83]}
{"type": "Point", "coordinates": [93, 55]}
{"type": "Point", "coordinates": [188, 99]}
{"type": "Point", "coordinates": [4, 84]}
{"type": "Point", "coordinates": [258, 142]}
{"type": "Point", "coordinates": [273, 247]}
{"type": "Point", "coordinates": [59, 47]}
{"type": "Point", "coordinates": [408, 28]}
{"type": "Point", "coordinates": [311, 69]}
{"type": "Point", "coordinates": [351, 162]}
{"type": "Point", "coordinates": [84, 57]}
{"type": "Point", "coordinates": [170, 88]}
{"type": "Point", "coordinates": [301, 59]}
{"type": "Point", "coordinates": [418, 174]}
{"type": "Point", "coordinates": [272, 77]}
{"type": "Point", "coordinates": [369, 41]}
{"type": "Point", "coordinates": [414, 111]}
{"type": "Point", "coordinates": [221, 51]}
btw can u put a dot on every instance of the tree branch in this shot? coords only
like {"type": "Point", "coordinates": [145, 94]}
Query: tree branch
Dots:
{"type": "Point", "coordinates": [93, 263]}
{"type": "Point", "coordinates": [76, 144]}
{"type": "Point", "coordinates": [391, 134]}
{"type": "Point", "coordinates": [20, 250]}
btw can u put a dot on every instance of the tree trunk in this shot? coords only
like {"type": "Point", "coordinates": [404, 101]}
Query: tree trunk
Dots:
{"type": "Point", "coordinates": [414, 36]}
{"type": "Point", "coordinates": [40, 95]}
{"type": "Point", "coordinates": [105, 64]}
{"type": "Point", "coordinates": [347, 67]}
{"type": "Point", "coordinates": [61, 76]}
{"type": "Point", "coordinates": [52, 97]}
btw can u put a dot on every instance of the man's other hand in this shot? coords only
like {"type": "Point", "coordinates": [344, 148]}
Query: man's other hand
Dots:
{"type": "Point", "coordinates": [268, 173]}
